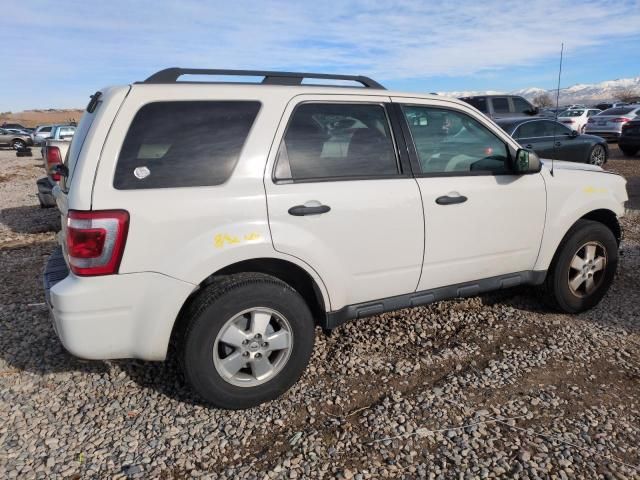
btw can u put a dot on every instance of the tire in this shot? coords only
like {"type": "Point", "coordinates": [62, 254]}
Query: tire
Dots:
{"type": "Point", "coordinates": [18, 144]}
{"type": "Point", "coordinates": [227, 307]}
{"type": "Point", "coordinates": [597, 155]}
{"type": "Point", "coordinates": [629, 151]}
{"type": "Point", "coordinates": [558, 292]}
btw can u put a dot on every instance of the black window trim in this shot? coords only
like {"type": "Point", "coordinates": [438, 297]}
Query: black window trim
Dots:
{"type": "Point", "coordinates": [402, 159]}
{"type": "Point", "coordinates": [240, 154]}
{"type": "Point", "coordinates": [413, 153]}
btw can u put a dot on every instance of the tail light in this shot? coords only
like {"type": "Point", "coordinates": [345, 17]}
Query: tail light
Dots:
{"type": "Point", "coordinates": [53, 158]}
{"type": "Point", "coordinates": [620, 120]}
{"type": "Point", "coordinates": [567, 121]}
{"type": "Point", "coordinates": [95, 241]}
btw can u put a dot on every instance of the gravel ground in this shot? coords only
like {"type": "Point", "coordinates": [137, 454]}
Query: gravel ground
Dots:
{"type": "Point", "coordinates": [491, 386]}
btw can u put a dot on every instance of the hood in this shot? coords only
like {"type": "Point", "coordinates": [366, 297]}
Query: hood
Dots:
{"type": "Point", "coordinates": [564, 165]}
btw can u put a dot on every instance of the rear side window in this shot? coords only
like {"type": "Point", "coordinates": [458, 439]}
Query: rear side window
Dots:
{"type": "Point", "coordinates": [336, 140]}
{"type": "Point", "coordinates": [478, 102]}
{"type": "Point", "coordinates": [500, 105]}
{"type": "Point", "coordinates": [520, 105]}
{"type": "Point", "coordinates": [184, 144]}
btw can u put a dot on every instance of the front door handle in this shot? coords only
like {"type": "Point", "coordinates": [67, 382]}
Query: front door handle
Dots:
{"type": "Point", "coordinates": [447, 200]}
{"type": "Point", "coordinates": [529, 147]}
{"type": "Point", "coordinates": [301, 210]}
{"type": "Point", "coordinates": [558, 144]}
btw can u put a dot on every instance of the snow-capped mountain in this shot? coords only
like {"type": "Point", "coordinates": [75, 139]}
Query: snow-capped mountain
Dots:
{"type": "Point", "coordinates": [580, 93]}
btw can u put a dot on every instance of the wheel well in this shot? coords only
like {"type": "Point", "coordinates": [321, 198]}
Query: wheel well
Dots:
{"type": "Point", "coordinates": [288, 272]}
{"type": "Point", "coordinates": [607, 218]}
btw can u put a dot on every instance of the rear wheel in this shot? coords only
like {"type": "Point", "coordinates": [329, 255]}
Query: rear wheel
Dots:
{"type": "Point", "coordinates": [598, 155]}
{"type": "Point", "coordinates": [249, 338]}
{"type": "Point", "coordinates": [583, 269]}
{"type": "Point", "coordinates": [629, 151]}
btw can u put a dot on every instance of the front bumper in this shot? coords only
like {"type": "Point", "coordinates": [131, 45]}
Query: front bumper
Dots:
{"type": "Point", "coordinates": [113, 316]}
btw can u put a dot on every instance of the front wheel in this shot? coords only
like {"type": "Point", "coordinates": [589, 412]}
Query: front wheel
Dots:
{"type": "Point", "coordinates": [598, 155]}
{"type": "Point", "coordinates": [249, 338]}
{"type": "Point", "coordinates": [18, 145]}
{"type": "Point", "coordinates": [583, 269]}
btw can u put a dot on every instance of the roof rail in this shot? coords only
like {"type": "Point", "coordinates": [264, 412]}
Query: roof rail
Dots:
{"type": "Point", "coordinates": [171, 75]}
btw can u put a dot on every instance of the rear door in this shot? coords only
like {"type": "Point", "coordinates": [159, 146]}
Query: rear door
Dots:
{"type": "Point", "coordinates": [342, 199]}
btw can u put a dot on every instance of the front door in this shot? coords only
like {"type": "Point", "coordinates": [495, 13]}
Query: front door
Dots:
{"type": "Point", "coordinates": [481, 220]}
{"type": "Point", "coordinates": [340, 199]}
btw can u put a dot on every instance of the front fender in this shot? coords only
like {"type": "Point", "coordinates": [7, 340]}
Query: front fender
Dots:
{"type": "Point", "coordinates": [571, 195]}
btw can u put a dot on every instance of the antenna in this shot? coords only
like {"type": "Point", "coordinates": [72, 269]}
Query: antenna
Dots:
{"type": "Point", "coordinates": [557, 107]}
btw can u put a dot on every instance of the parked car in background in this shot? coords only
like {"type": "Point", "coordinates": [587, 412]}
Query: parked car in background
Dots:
{"type": "Point", "coordinates": [58, 132]}
{"type": "Point", "coordinates": [54, 151]}
{"type": "Point", "coordinates": [18, 131]}
{"type": "Point", "coordinates": [629, 141]}
{"type": "Point", "coordinates": [574, 106]}
{"type": "Point", "coordinates": [41, 133]}
{"type": "Point", "coordinates": [576, 118]}
{"type": "Point", "coordinates": [549, 112]}
{"type": "Point", "coordinates": [501, 106]}
{"type": "Point", "coordinates": [6, 125]}
{"type": "Point", "coordinates": [14, 140]}
{"type": "Point", "coordinates": [608, 124]}
{"type": "Point", "coordinates": [551, 139]}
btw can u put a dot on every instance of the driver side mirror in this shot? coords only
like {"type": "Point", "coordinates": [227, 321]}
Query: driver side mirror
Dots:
{"type": "Point", "coordinates": [526, 161]}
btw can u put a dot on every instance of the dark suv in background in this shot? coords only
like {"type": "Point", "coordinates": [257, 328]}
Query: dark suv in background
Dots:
{"type": "Point", "coordinates": [501, 106]}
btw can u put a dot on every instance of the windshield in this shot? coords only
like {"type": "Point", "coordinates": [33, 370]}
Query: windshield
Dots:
{"type": "Point", "coordinates": [571, 113]}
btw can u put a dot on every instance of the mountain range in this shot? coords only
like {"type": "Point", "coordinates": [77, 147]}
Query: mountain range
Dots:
{"type": "Point", "coordinates": [580, 93]}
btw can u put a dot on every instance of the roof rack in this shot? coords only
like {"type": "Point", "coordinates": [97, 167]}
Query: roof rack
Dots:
{"type": "Point", "coordinates": [171, 75]}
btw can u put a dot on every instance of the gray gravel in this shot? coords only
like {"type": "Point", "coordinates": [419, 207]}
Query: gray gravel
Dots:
{"type": "Point", "coordinates": [492, 386]}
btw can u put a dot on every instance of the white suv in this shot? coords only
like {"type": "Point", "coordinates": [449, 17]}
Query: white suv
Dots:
{"type": "Point", "coordinates": [231, 219]}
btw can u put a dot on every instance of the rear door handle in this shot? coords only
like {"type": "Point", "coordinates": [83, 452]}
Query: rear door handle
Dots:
{"type": "Point", "coordinates": [447, 200]}
{"type": "Point", "coordinates": [301, 210]}
{"type": "Point", "coordinates": [558, 144]}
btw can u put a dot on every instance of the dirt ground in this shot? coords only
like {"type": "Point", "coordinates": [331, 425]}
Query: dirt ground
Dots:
{"type": "Point", "coordinates": [495, 386]}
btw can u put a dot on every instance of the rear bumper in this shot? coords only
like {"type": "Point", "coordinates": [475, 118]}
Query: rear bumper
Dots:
{"type": "Point", "coordinates": [113, 316]}
{"type": "Point", "coordinates": [605, 135]}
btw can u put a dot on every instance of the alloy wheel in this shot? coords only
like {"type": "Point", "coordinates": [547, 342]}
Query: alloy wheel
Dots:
{"type": "Point", "coordinates": [587, 268]}
{"type": "Point", "coordinates": [252, 347]}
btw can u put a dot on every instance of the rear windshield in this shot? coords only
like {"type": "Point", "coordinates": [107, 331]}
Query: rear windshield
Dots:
{"type": "Point", "coordinates": [184, 144]}
{"type": "Point", "coordinates": [79, 134]}
{"type": "Point", "coordinates": [618, 111]}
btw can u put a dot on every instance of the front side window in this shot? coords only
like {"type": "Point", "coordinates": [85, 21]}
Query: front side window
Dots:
{"type": "Point", "coordinates": [336, 140]}
{"type": "Point", "coordinates": [533, 129]}
{"type": "Point", "coordinates": [184, 144]}
{"type": "Point", "coordinates": [500, 105]}
{"type": "Point", "coordinates": [448, 141]}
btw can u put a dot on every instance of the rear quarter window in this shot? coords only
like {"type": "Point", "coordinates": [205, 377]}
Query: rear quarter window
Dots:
{"type": "Point", "coordinates": [184, 144]}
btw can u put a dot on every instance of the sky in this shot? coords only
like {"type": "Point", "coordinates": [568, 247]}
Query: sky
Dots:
{"type": "Point", "coordinates": [55, 54]}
